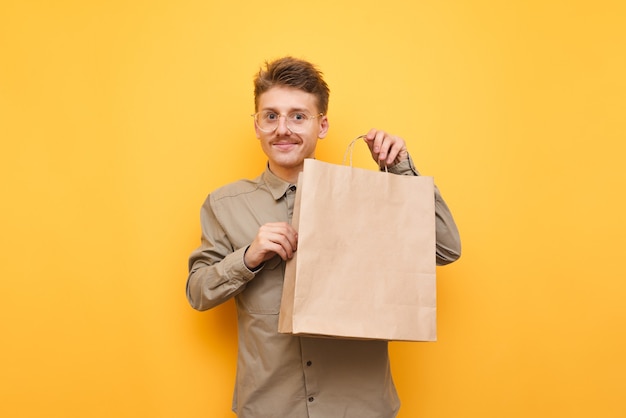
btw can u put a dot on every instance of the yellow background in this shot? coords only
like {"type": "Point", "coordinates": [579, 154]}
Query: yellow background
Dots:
{"type": "Point", "coordinates": [118, 117]}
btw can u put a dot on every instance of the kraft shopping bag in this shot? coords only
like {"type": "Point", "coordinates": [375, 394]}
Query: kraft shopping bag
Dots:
{"type": "Point", "coordinates": [365, 264]}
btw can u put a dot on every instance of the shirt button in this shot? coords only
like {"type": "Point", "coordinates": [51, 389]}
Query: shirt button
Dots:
{"type": "Point", "coordinates": [309, 363]}
{"type": "Point", "coordinates": [311, 399]}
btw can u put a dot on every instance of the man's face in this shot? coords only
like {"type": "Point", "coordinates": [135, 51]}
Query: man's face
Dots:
{"type": "Point", "coordinates": [285, 149]}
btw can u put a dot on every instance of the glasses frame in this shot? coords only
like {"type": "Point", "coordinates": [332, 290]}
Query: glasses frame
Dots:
{"type": "Point", "coordinates": [280, 115]}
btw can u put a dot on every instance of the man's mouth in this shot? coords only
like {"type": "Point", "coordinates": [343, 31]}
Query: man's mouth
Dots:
{"type": "Point", "coordinates": [284, 146]}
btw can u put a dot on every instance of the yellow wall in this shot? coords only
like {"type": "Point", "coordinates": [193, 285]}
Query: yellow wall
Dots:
{"type": "Point", "coordinates": [118, 117]}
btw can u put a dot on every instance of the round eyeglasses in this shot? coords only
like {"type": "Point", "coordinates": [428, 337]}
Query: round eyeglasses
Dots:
{"type": "Point", "coordinates": [297, 122]}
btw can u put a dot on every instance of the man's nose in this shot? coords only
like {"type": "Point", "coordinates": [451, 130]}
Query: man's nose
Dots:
{"type": "Point", "coordinates": [283, 129]}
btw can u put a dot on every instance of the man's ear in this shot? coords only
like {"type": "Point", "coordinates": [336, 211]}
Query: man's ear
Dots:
{"type": "Point", "coordinates": [256, 130]}
{"type": "Point", "coordinates": [324, 125]}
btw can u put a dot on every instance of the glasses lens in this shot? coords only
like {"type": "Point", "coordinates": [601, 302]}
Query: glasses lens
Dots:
{"type": "Point", "coordinates": [266, 121]}
{"type": "Point", "coordinates": [297, 122]}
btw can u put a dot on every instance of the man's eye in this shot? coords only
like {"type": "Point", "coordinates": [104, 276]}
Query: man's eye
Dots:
{"type": "Point", "coordinates": [271, 116]}
{"type": "Point", "coordinates": [299, 117]}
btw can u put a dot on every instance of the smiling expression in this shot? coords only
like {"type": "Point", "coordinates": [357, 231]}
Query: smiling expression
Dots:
{"type": "Point", "coordinates": [284, 149]}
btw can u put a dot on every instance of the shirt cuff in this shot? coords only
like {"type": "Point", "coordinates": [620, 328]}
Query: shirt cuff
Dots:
{"type": "Point", "coordinates": [253, 270]}
{"type": "Point", "coordinates": [404, 167]}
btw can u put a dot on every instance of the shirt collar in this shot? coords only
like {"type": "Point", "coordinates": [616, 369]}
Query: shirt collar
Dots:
{"type": "Point", "coordinates": [277, 186]}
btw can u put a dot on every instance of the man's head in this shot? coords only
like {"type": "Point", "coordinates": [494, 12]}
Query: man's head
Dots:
{"type": "Point", "coordinates": [291, 100]}
{"type": "Point", "coordinates": [293, 73]}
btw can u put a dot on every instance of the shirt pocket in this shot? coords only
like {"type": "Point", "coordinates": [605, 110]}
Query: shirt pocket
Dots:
{"type": "Point", "coordinates": [262, 294]}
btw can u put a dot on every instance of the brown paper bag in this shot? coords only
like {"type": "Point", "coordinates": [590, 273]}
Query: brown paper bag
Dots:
{"type": "Point", "coordinates": [365, 264]}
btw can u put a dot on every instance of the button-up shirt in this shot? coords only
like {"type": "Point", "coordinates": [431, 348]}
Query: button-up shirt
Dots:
{"type": "Point", "coordinates": [281, 375]}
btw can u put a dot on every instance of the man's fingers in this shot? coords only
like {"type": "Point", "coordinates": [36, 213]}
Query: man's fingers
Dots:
{"type": "Point", "coordinates": [386, 149]}
{"type": "Point", "coordinates": [279, 238]}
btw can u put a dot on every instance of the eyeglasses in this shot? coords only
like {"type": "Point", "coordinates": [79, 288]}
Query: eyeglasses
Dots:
{"type": "Point", "coordinates": [297, 122]}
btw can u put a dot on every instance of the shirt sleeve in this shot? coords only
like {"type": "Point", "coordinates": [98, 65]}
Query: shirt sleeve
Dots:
{"type": "Point", "coordinates": [448, 245]}
{"type": "Point", "coordinates": [216, 270]}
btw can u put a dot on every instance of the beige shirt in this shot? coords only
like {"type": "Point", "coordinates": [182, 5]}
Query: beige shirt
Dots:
{"type": "Point", "coordinates": [278, 375]}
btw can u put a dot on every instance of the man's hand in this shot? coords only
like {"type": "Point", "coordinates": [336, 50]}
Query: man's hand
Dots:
{"type": "Point", "coordinates": [272, 238]}
{"type": "Point", "coordinates": [387, 150]}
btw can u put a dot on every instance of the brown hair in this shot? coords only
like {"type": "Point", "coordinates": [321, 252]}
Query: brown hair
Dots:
{"type": "Point", "coordinates": [295, 73]}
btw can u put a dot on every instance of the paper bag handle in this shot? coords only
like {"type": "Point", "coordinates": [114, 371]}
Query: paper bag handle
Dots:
{"type": "Point", "coordinates": [351, 148]}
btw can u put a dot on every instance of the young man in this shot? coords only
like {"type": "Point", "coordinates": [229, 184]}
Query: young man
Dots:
{"type": "Point", "coordinates": [246, 239]}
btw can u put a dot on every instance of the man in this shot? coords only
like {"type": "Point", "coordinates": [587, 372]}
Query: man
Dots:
{"type": "Point", "coordinates": [246, 239]}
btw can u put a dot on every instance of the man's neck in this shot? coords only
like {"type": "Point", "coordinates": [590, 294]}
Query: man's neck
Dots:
{"type": "Point", "coordinates": [290, 175]}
